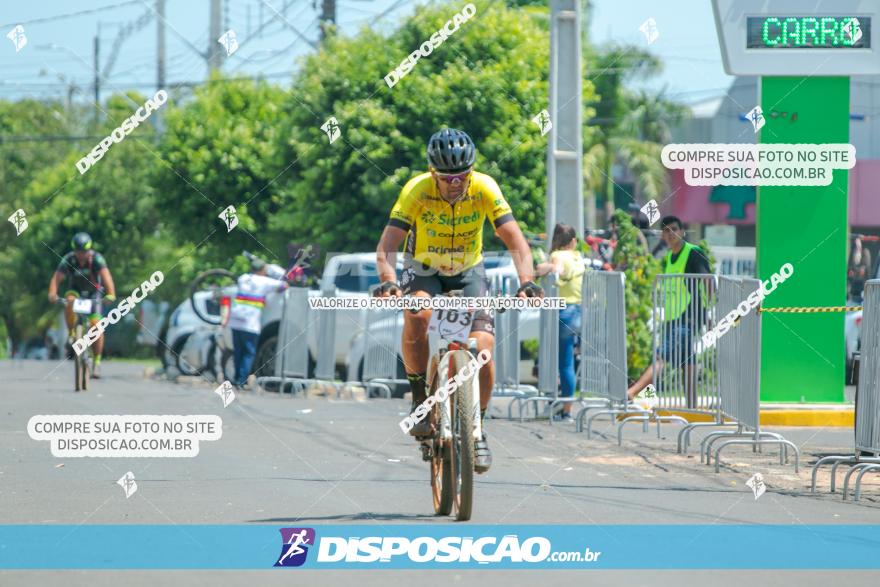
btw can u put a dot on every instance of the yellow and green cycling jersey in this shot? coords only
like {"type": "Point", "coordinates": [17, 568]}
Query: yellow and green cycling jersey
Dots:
{"type": "Point", "coordinates": [447, 236]}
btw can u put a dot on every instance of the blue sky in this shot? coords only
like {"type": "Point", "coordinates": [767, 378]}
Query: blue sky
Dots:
{"type": "Point", "coordinates": [59, 51]}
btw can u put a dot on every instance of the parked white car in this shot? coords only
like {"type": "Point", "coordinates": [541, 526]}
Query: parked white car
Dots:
{"type": "Point", "coordinates": [189, 338]}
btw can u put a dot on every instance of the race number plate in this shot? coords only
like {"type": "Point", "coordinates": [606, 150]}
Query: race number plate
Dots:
{"type": "Point", "coordinates": [451, 324]}
{"type": "Point", "coordinates": [82, 306]}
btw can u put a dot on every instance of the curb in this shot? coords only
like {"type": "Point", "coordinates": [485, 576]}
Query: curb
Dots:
{"type": "Point", "coordinates": [822, 417]}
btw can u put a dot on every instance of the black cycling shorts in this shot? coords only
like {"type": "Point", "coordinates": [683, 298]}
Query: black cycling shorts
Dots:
{"type": "Point", "coordinates": [473, 283]}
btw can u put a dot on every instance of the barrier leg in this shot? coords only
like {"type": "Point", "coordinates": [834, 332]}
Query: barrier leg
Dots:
{"type": "Point", "coordinates": [684, 436]}
{"type": "Point", "coordinates": [849, 473]}
{"type": "Point", "coordinates": [858, 489]}
{"type": "Point", "coordinates": [710, 438]}
{"type": "Point", "coordinates": [579, 418]}
{"type": "Point", "coordinates": [660, 419]}
{"type": "Point", "coordinates": [643, 418]}
{"type": "Point", "coordinates": [769, 441]}
{"type": "Point", "coordinates": [612, 412]}
{"type": "Point", "coordinates": [820, 462]}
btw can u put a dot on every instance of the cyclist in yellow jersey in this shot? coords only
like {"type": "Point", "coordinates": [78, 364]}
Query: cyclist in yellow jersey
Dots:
{"type": "Point", "coordinates": [441, 214]}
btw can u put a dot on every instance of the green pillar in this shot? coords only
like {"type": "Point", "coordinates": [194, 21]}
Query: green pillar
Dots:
{"type": "Point", "coordinates": [802, 355]}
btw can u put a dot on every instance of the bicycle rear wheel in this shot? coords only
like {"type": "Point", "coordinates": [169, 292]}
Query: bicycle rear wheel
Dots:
{"type": "Point", "coordinates": [441, 463]}
{"type": "Point", "coordinates": [463, 438]}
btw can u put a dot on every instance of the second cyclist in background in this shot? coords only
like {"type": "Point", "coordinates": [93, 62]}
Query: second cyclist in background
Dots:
{"type": "Point", "coordinates": [87, 276]}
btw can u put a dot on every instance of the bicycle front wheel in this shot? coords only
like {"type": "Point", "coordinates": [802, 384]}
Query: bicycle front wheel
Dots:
{"type": "Point", "coordinates": [463, 438]}
{"type": "Point", "coordinates": [442, 478]}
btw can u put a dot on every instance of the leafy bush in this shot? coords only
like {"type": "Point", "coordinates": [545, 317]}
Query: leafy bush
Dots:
{"type": "Point", "coordinates": [640, 268]}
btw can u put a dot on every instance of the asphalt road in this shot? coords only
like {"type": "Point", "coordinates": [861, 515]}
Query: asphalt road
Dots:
{"type": "Point", "coordinates": [285, 461]}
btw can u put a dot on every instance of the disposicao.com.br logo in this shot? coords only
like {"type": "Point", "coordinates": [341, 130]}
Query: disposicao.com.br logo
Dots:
{"type": "Point", "coordinates": [417, 551]}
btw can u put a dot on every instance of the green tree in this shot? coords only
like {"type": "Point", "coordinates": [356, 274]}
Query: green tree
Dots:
{"type": "Point", "coordinates": [112, 201]}
{"type": "Point", "coordinates": [632, 127]}
{"type": "Point", "coordinates": [640, 269]}
{"type": "Point", "coordinates": [27, 129]}
{"type": "Point", "coordinates": [489, 78]}
{"type": "Point", "coordinates": [219, 150]}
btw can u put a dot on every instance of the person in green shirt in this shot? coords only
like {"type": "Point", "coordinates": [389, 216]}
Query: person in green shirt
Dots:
{"type": "Point", "coordinates": [568, 264]}
{"type": "Point", "coordinates": [678, 315]}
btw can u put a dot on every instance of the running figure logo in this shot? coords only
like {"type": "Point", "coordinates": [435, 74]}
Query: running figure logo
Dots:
{"type": "Point", "coordinates": [651, 211]}
{"type": "Point", "coordinates": [542, 119]}
{"type": "Point", "coordinates": [649, 29]}
{"type": "Point", "coordinates": [294, 547]}
{"type": "Point", "coordinates": [19, 221]}
{"type": "Point", "coordinates": [331, 127]}
{"type": "Point", "coordinates": [226, 393]}
{"type": "Point", "coordinates": [128, 484]}
{"type": "Point", "coordinates": [229, 42]}
{"type": "Point", "coordinates": [229, 217]}
{"type": "Point", "coordinates": [756, 117]}
{"type": "Point", "coordinates": [18, 38]}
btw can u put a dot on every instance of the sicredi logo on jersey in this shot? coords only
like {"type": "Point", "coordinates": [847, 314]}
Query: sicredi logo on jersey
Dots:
{"type": "Point", "coordinates": [123, 130]}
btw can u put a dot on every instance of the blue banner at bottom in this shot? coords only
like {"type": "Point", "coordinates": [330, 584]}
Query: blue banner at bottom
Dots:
{"type": "Point", "coordinates": [448, 546]}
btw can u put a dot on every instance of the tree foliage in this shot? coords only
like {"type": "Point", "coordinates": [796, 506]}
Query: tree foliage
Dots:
{"type": "Point", "coordinates": [640, 269]}
{"type": "Point", "coordinates": [489, 78]}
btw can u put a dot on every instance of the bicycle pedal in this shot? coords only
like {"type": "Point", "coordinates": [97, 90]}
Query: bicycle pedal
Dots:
{"type": "Point", "coordinates": [427, 452]}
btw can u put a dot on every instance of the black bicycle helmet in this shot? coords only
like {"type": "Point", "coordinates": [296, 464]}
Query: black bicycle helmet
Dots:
{"type": "Point", "coordinates": [81, 241]}
{"type": "Point", "coordinates": [451, 150]}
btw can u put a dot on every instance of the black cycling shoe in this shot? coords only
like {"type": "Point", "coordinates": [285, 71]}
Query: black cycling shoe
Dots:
{"type": "Point", "coordinates": [482, 455]}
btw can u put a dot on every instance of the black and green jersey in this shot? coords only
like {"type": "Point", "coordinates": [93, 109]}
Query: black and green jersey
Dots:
{"type": "Point", "coordinates": [83, 279]}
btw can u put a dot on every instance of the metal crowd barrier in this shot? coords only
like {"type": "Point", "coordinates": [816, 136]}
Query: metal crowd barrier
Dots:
{"type": "Point", "coordinates": [739, 376]}
{"type": "Point", "coordinates": [548, 355]}
{"type": "Point", "coordinates": [292, 354]}
{"type": "Point", "coordinates": [382, 347]}
{"type": "Point", "coordinates": [866, 457]}
{"type": "Point", "coordinates": [603, 347]}
{"type": "Point", "coordinates": [507, 346]}
{"type": "Point", "coordinates": [683, 371]}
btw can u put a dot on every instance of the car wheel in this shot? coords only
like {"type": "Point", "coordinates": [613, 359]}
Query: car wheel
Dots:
{"type": "Point", "coordinates": [267, 354]}
{"type": "Point", "coordinates": [182, 366]}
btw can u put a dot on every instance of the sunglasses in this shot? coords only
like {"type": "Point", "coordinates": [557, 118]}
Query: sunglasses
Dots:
{"type": "Point", "coordinates": [453, 178]}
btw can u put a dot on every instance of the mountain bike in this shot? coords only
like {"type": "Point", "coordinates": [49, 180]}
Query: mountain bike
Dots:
{"type": "Point", "coordinates": [455, 419]}
{"type": "Point", "coordinates": [82, 308]}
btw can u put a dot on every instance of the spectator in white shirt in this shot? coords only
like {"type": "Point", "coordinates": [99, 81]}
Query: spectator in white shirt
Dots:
{"type": "Point", "coordinates": [244, 319]}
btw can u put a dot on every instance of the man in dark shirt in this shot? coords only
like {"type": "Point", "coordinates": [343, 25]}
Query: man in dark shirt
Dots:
{"type": "Point", "coordinates": [684, 309]}
{"type": "Point", "coordinates": [87, 277]}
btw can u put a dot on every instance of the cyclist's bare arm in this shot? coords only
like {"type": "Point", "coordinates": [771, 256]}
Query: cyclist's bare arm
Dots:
{"type": "Point", "coordinates": [515, 242]}
{"type": "Point", "coordinates": [107, 280]}
{"type": "Point", "coordinates": [386, 253]}
{"type": "Point", "coordinates": [53, 286]}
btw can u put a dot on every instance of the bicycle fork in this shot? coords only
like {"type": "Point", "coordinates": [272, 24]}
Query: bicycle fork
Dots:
{"type": "Point", "coordinates": [446, 405]}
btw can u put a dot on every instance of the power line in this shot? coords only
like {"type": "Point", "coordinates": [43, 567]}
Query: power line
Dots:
{"type": "Point", "coordinates": [71, 14]}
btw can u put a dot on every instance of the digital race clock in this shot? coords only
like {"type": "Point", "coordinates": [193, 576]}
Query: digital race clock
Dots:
{"type": "Point", "coordinates": [808, 32]}
{"type": "Point", "coordinates": [798, 37]}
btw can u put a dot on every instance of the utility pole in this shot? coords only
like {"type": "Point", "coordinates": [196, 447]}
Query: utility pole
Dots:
{"type": "Point", "coordinates": [158, 118]}
{"type": "Point", "coordinates": [589, 195]}
{"type": "Point", "coordinates": [215, 57]}
{"type": "Point", "coordinates": [160, 44]}
{"type": "Point", "coordinates": [328, 17]}
{"type": "Point", "coordinates": [97, 48]}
